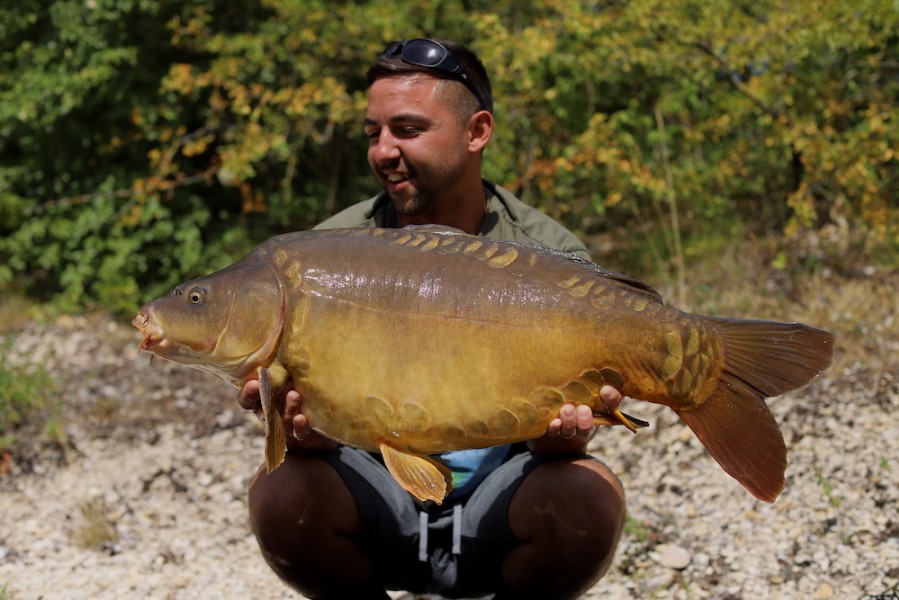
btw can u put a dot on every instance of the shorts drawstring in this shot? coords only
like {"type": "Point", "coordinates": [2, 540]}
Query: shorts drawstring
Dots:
{"type": "Point", "coordinates": [423, 533]}
{"type": "Point", "coordinates": [457, 529]}
{"type": "Point", "coordinates": [423, 536]}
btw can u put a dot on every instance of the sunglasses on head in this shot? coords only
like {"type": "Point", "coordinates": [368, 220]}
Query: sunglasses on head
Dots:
{"type": "Point", "coordinates": [432, 54]}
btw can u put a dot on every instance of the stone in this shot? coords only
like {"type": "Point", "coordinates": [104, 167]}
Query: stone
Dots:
{"type": "Point", "coordinates": [673, 556]}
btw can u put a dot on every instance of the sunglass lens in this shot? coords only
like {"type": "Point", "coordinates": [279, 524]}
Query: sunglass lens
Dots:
{"type": "Point", "coordinates": [424, 53]}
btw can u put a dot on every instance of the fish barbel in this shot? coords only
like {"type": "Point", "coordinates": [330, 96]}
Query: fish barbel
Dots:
{"type": "Point", "coordinates": [422, 340]}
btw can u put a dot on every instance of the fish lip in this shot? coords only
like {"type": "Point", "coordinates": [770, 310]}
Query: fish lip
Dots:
{"type": "Point", "coordinates": [150, 331]}
{"type": "Point", "coordinates": [140, 321]}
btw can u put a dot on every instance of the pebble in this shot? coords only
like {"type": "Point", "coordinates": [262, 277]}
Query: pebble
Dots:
{"type": "Point", "coordinates": [673, 556]}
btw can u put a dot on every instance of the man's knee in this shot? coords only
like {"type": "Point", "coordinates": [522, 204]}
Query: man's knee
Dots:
{"type": "Point", "coordinates": [304, 493]}
{"type": "Point", "coordinates": [569, 514]}
{"type": "Point", "coordinates": [306, 521]}
{"type": "Point", "coordinates": [602, 497]}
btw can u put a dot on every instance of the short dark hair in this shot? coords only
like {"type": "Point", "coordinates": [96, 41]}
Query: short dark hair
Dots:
{"type": "Point", "coordinates": [393, 65]}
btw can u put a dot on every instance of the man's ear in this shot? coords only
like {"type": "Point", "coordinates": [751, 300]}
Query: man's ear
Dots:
{"type": "Point", "coordinates": [480, 130]}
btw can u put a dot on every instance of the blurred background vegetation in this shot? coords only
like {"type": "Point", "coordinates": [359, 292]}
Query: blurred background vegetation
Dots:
{"type": "Point", "coordinates": [143, 141]}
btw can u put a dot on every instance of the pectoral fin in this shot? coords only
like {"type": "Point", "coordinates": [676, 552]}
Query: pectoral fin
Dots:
{"type": "Point", "coordinates": [421, 476]}
{"type": "Point", "coordinates": [275, 441]}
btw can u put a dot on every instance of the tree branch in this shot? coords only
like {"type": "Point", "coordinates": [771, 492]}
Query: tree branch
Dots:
{"type": "Point", "coordinates": [734, 79]}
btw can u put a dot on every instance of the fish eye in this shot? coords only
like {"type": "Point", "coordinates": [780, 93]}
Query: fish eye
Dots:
{"type": "Point", "coordinates": [197, 295]}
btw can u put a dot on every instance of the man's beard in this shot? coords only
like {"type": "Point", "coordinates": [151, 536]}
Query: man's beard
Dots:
{"type": "Point", "coordinates": [414, 206]}
{"type": "Point", "coordinates": [429, 186]}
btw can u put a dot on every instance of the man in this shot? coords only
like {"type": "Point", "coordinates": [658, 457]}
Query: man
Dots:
{"type": "Point", "coordinates": [535, 520]}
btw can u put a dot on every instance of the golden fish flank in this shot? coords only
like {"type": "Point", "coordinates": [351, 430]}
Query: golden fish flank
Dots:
{"type": "Point", "coordinates": [421, 340]}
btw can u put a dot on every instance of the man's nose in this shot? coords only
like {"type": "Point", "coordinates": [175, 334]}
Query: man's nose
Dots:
{"type": "Point", "coordinates": [384, 149]}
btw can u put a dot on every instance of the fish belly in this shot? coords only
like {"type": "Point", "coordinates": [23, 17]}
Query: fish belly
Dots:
{"type": "Point", "coordinates": [460, 385]}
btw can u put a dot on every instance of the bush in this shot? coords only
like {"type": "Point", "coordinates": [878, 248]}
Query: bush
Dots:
{"type": "Point", "coordinates": [143, 142]}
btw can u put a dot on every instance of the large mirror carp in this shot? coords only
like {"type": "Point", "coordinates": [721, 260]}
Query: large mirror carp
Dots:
{"type": "Point", "coordinates": [416, 341]}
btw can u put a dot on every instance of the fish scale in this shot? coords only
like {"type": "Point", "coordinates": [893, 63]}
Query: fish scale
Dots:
{"type": "Point", "coordinates": [422, 340]}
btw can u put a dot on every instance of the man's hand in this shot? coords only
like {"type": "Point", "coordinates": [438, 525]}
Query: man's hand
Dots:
{"type": "Point", "coordinates": [300, 436]}
{"type": "Point", "coordinates": [573, 428]}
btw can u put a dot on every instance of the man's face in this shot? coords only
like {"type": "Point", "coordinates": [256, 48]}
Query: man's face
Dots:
{"type": "Point", "coordinates": [417, 146]}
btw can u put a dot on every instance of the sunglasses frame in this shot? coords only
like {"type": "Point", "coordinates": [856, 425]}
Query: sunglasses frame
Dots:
{"type": "Point", "coordinates": [447, 64]}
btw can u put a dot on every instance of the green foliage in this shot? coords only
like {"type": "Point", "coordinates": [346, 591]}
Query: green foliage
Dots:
{"type": "Point", "coordinates": [25, 392]}
{"type": "Point", "coordinates": [639, 531]}
{"type": "Point", "coordinates": [143, 142]}
{"type": "Point", "coordinates": [827, 488]}
{"type": "Point", "coordinates": [780, 115]}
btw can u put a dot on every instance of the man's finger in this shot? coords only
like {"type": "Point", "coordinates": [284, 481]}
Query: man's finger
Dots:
{"type": "Point", "coordinates": [554, 429]}
{"type": "Point", "coordinates": [585, 424]}
{"type": "Point", "coordinates": [301, 427]}
{"type": "Point", "coordinates": [248, 396]}
{"type": "Point", "coordinates": [569, 418]}
{"type": "Point", "coordinates": [292, 401]}
{"type": "Point", "coordinates": [610, 395]}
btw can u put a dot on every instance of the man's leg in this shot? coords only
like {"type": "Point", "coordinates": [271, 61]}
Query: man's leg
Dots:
{"type": "Point", "coordinates": [308, 527]}
{"type": "Point", "coordinates": [569, 515]}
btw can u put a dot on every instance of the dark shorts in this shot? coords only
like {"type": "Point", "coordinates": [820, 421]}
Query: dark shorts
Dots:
{"type": "Point", "coordinates": [456, 549]}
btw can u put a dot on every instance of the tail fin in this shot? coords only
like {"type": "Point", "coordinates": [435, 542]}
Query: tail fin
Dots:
{"type": "Point", "coordinates": [762, 359]}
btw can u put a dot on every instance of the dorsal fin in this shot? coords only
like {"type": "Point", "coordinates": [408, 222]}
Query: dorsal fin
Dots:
{"type": "Point", "coordinates": [634, 285]}
{"type": "Point", "coordinates": [435, 228]}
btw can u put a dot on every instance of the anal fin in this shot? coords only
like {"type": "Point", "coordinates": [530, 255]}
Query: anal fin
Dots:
{"type": "Point", "coordinates": [421, 476]}
{"type": "Point", "coordinates": [616, 417]}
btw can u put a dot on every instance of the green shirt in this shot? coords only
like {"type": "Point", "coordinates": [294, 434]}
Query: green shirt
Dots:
{"type": "Point", "coordinates": [508, 219]}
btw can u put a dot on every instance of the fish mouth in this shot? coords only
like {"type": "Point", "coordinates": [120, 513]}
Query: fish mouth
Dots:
{"type": "Point", "coordinates": [150, 331]}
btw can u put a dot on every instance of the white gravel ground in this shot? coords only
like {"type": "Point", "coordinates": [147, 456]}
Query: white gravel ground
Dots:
{"type": "Point", "coordinates": [148, 500]}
